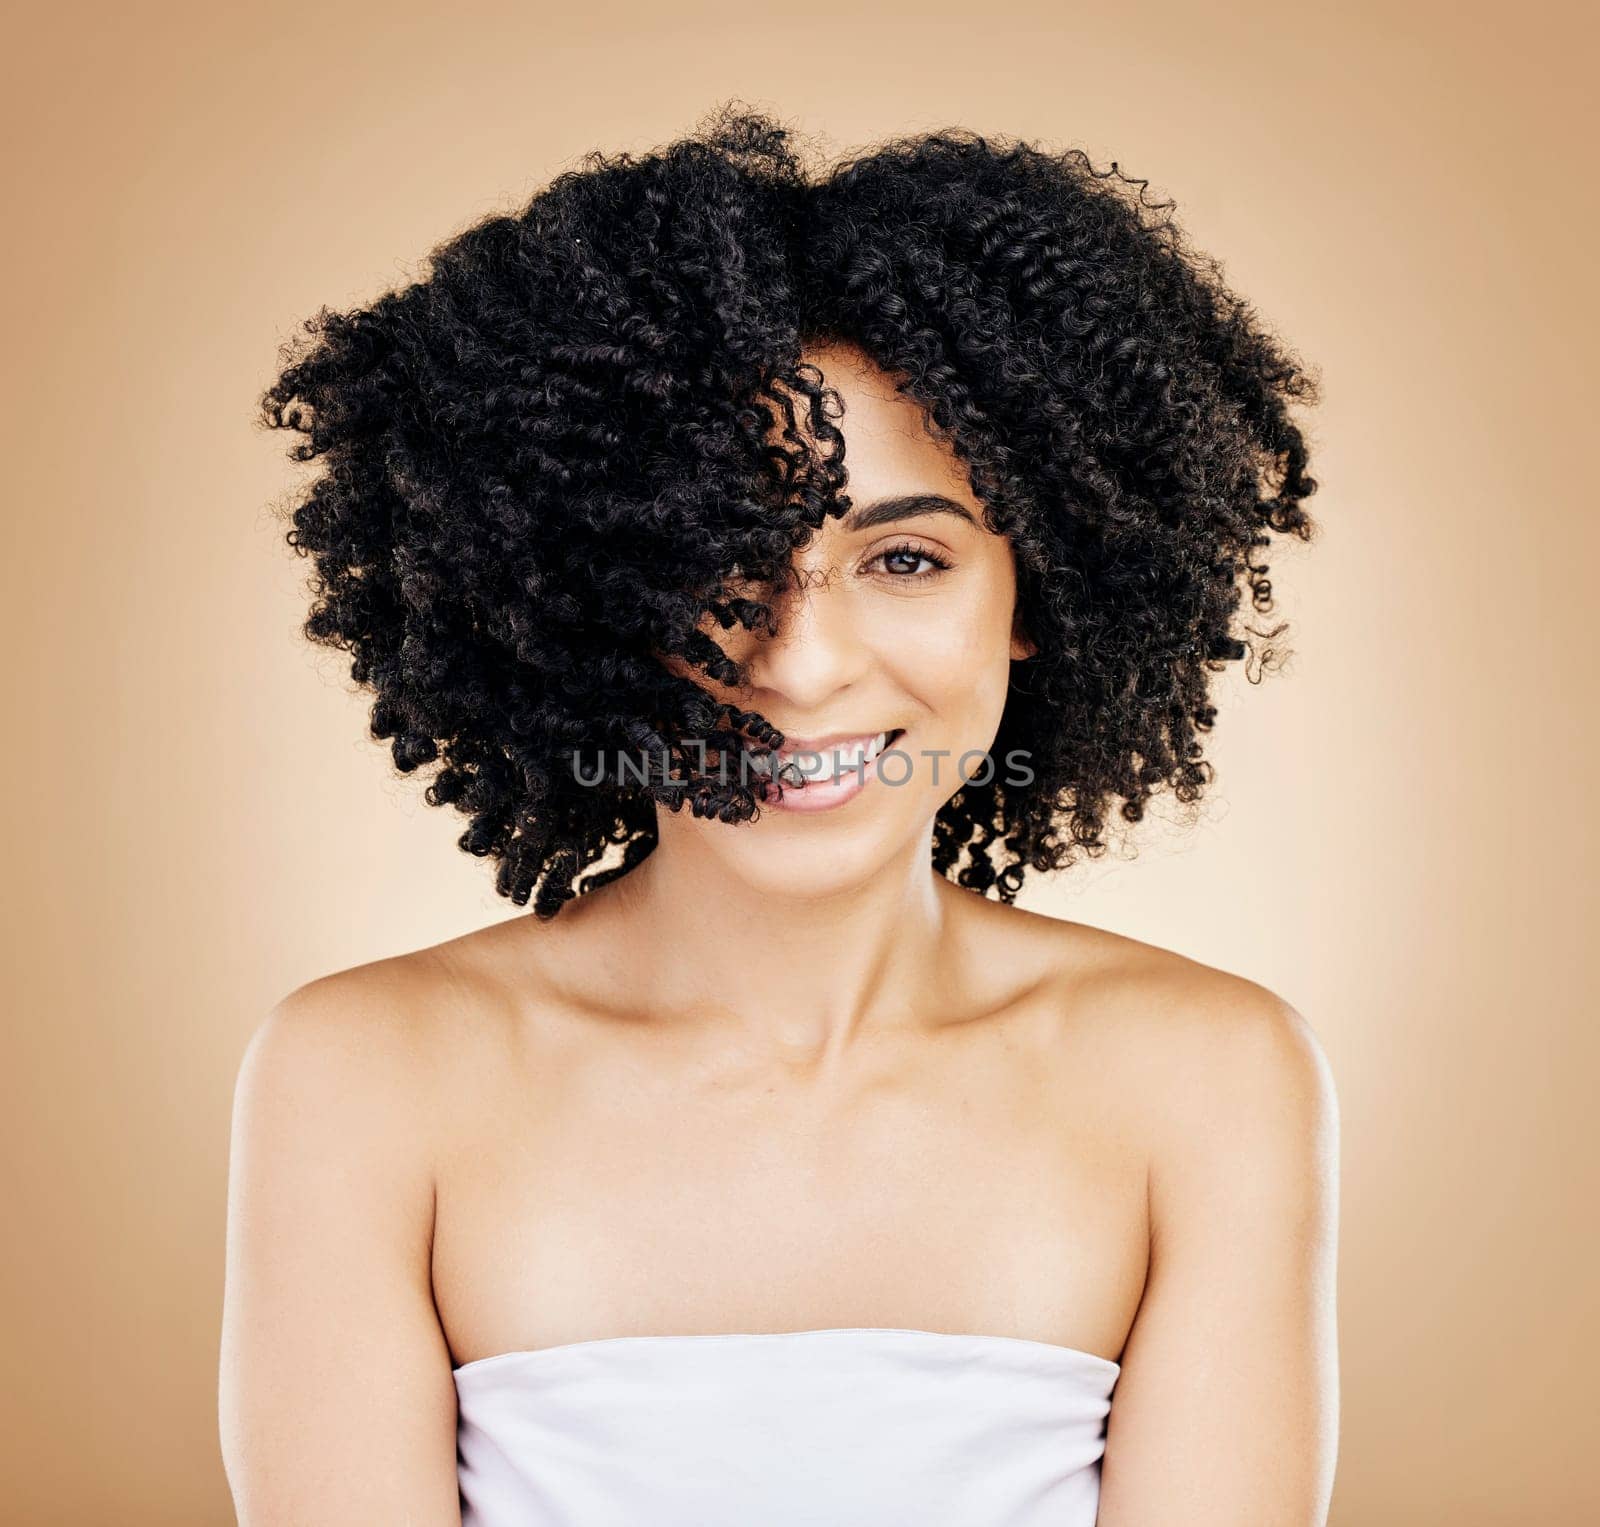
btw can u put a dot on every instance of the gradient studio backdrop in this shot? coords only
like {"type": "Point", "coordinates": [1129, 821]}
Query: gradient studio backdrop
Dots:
{"type": "Point", "coordinates": [1401, 836]}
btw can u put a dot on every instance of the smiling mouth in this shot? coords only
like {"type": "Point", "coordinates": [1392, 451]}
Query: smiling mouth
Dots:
{"type": "Point", "coordinates": [801, 763]}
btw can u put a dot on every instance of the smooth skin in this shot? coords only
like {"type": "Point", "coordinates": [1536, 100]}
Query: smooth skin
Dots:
{"type": "Point", "coordinates": [919, 1109]}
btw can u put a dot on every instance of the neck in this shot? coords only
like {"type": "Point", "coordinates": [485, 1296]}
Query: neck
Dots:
{"type": "Point", "coordinates": [798, 974]}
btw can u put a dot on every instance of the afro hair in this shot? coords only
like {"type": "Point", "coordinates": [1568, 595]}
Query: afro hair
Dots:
{"type": "Point", "coordinates": [543, 466]}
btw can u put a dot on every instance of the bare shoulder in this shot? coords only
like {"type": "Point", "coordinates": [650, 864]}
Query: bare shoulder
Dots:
{"type": "Point", "coordinates": [1196, 1051]}
{"type": "Point", "coordinates": [355, 1045]}
{"type": "Point", "coordinates": [380, 1017]}
{"type": "Point", "coordinates": [410, 1044]}
{"type": "Point", "coordinates": [1192, 1024]}
{"type": "Point", "coordinates": [335, 1396]}
{"type": "Point", "coordinates": [1227, 1402]}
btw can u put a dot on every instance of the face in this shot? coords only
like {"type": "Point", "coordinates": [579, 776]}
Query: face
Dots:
{"type": "Point", "coordinates": [899, 619]}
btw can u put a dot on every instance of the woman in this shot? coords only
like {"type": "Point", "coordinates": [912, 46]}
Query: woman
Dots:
{"type": "Point", "coordinates": [776, 1171]}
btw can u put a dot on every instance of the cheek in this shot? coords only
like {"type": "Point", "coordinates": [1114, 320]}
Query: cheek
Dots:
{"type": "Point", "coordinates": [956, 655]}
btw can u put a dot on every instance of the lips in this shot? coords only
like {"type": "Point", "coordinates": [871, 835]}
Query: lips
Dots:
{"type": "Point", "coordinates": [794, 744]}
{"type": "Point", "coordinates": [834, 754]}
{"type": "Point", "coordinates": [821, 781]}
{"type": "Point", "coordinates": [824, 757]}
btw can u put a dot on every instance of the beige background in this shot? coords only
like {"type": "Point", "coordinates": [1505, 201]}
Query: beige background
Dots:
{"type": "Point", "coordinates": [1402, 834]}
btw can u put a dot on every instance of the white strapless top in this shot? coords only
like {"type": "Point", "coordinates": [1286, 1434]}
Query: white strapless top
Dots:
{"type": "Point", "coordinates": [854, 1426]}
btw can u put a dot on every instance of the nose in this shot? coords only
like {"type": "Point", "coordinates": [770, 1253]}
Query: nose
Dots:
{"type": "Point", "coordinates": [815, 650]}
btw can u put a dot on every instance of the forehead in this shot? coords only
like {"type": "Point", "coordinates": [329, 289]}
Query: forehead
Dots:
{"type": "Point", "coordinates": [887, 446]}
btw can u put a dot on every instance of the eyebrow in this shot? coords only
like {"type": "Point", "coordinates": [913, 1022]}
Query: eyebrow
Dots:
{"type": "Point", "coordinates": [904, 506]}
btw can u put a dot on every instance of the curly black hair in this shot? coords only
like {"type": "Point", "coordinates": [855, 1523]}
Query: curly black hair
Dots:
{"type": "Point", "coordinates": [544, 465]}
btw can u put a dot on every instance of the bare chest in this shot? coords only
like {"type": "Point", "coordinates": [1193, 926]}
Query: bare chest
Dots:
{"type": "Point", "coordinates": [605, 1192]}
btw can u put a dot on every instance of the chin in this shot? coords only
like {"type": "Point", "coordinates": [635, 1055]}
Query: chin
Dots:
{"type": "Point", "coordinates": [810, 856]}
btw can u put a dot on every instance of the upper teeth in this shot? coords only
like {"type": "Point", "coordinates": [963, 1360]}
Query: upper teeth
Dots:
{"type": "Point", "coordinates": [847, 755]}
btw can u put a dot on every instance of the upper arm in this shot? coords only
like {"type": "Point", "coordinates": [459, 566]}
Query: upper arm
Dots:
{"type": "Point", "coordinates": [1226, 1411]}
{"type": "Point", "coordinates": [337, 1400]}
